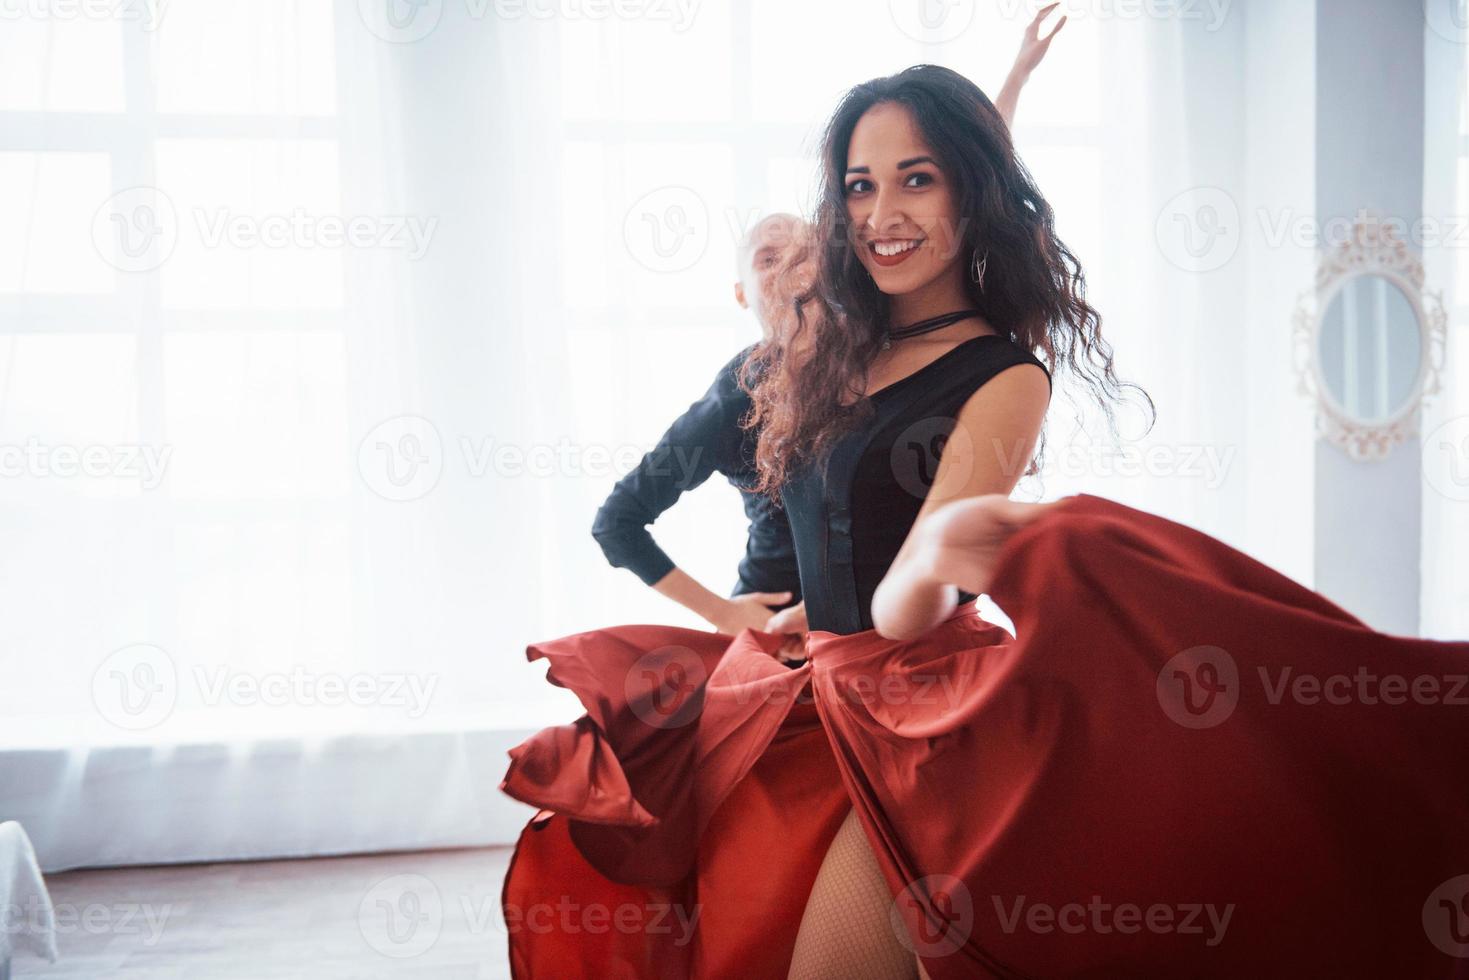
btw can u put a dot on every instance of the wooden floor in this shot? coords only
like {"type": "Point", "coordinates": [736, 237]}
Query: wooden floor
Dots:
{"type": "Point", "coordinates": [422, 915]}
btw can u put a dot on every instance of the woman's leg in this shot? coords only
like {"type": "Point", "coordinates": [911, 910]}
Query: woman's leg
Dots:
{"type": "Point", "coordinates": [846, 931]}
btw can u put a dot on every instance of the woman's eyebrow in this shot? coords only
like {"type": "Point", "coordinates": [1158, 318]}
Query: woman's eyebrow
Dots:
{"type": "Point", "coordinates": [902, 165]}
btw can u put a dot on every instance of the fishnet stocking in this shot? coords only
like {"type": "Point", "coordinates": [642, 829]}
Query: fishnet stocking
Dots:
{"type": "Point", "coordinates": [845, 931]}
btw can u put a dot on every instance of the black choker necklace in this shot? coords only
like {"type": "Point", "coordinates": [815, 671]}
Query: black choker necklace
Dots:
{"type": "Point", "coordinates": [926, 326]}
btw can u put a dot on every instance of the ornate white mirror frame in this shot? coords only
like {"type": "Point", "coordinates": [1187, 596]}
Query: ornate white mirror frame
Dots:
{"type": "Point", "coordinates": [1374, 249]}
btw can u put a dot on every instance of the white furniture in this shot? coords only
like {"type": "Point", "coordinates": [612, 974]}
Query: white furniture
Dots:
{"type": "Point", "coordinates": [27, 920]}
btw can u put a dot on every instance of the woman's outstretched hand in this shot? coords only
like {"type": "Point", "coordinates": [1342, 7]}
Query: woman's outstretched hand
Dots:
{"type": "Point", "coordinates": [953, 549]}
{"type": "Point", "coordinates": [1032, 52]}
{"type": "Point", "coordinates": [1033, 47]}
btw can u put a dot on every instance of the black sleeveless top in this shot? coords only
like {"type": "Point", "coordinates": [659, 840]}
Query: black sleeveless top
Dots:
{"type": "Point", "coordinates": [851, 514]}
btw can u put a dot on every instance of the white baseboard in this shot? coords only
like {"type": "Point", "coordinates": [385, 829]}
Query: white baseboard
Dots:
{"type": "Point", "coordinates": [267, 797]}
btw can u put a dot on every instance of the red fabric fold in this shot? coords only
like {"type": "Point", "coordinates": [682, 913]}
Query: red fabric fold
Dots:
{"type": "Point", "coordinates": [1186, 764]}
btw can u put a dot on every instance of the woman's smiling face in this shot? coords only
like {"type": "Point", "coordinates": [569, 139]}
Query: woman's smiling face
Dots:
{"type": "Point", "coordinates": [900, 203]}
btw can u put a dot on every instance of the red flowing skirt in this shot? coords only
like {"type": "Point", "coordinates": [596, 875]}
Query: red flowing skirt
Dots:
{"type": "Point", "coordinates": [1183, 764]}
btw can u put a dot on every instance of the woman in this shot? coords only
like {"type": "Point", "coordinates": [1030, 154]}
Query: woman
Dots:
{"type": "Point", "coordinates": [1110, 793]}
{"type": "Point", "coordinates": [708, 439]}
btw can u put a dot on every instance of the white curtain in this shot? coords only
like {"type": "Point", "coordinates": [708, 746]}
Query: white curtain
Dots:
{"type": "Point", "coordinates": [1446, 266]}
{"type": "Point", "coordinates": [405, 289]}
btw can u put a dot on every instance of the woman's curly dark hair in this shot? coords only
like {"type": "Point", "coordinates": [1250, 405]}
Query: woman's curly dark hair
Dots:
{"type": "Point", "coordinates": [806, 382]}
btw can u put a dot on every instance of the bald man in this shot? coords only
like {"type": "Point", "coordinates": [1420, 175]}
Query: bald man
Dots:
{"type": "Point", "coordinates": [705, 440]}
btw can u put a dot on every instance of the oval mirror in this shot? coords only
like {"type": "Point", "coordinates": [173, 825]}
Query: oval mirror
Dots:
{"type": "Point", "coordinates": [1370, 347]}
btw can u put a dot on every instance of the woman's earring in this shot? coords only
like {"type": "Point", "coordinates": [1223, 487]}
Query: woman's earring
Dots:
{"type": "Point", "coordinates": [977, 270]}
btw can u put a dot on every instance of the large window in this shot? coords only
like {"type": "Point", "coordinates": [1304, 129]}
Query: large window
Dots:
{"type": "Point", "coordinates": [172, 383]}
